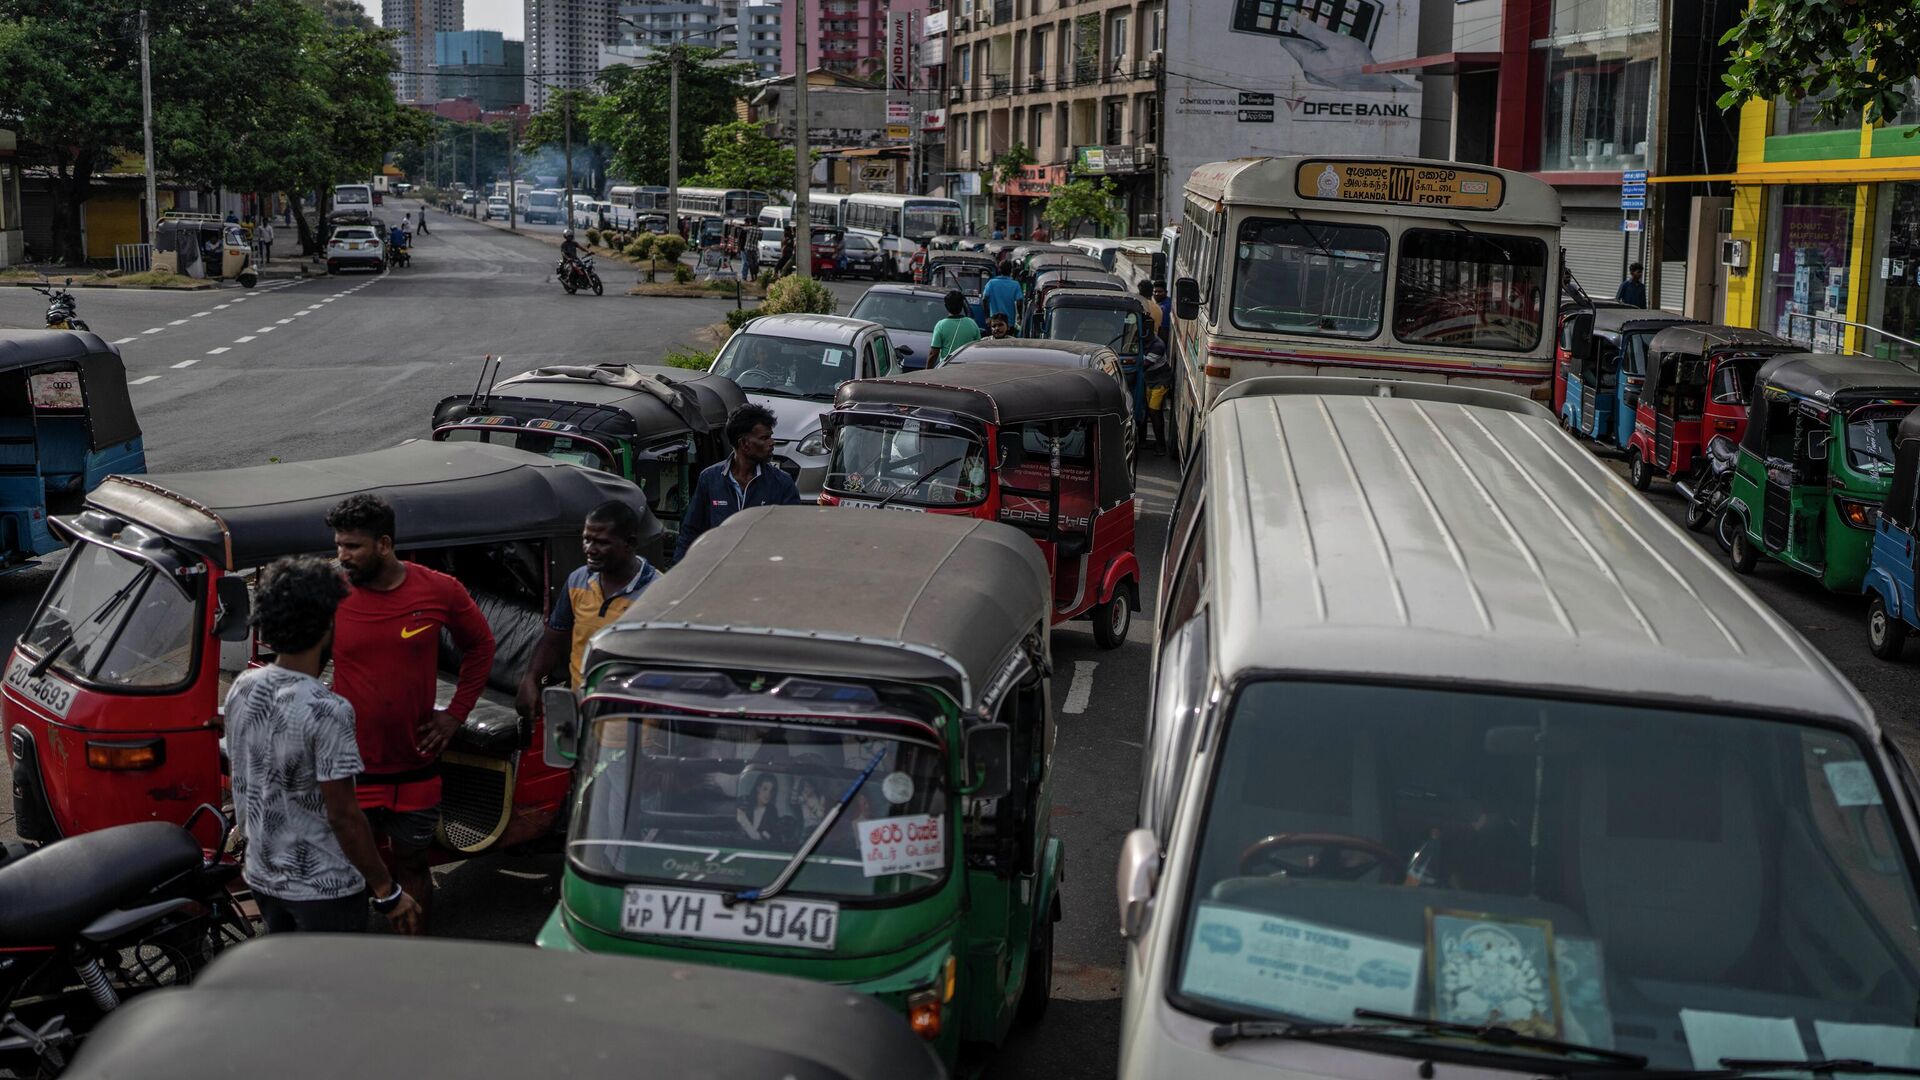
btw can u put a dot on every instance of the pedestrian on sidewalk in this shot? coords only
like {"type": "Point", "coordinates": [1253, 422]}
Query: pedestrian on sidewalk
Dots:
{"type": "Point", "coordinates": [1633, 291]}
{"type": "Point", "coordinates": [265, 233]}
{"type": "Point", "coordinates": [311, 858]}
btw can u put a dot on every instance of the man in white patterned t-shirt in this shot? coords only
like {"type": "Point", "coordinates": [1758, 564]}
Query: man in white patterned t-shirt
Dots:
{"type": "Point", "coordinates": [311, 856]}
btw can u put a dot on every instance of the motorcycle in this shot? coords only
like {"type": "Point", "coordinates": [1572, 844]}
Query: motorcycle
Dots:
{"type": "Point", "coordinates": [62, 308]}
{"type": "Point", "coordinates": [89, 920]}
{"type": "Point", "coordinates": [577, 274]}
{"type": "Point", "coordinates": [1708, 489]}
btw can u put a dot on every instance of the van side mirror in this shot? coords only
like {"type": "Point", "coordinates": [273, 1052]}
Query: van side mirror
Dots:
{"type": "Point", "coordinates": [989, 761]}
{"type": "Point", "coordinates": [1186, 298]}
{"type": "Point", "coordinates": [562, 716]}
{"type": "Point", "coordinates": [1139, 876]}
{"type": "Point", "coordinates": [230, 619]}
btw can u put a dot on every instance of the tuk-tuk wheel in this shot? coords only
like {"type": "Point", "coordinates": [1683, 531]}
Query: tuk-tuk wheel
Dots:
{"type": "Point", "coordinates": [1640, 471]}
{"type": "Point", "coordinates": [1740, 552]}
{"type": "Point", "coordinates": [248, 279]}
{"type": "Point", "coordinates": [1037, 990]}
{"type": "Point", "coordinates": [1886, 635]}
{"type": "Point", "coordinates": [1111, 620]}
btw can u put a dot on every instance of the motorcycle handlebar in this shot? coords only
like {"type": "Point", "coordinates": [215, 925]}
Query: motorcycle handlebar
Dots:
{"type": "Point", "coordinates": [226, 828]}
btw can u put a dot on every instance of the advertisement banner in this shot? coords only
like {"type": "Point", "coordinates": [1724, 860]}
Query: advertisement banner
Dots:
{"type": "Point", "coordinates": [934, 24]}
{"type": "Point", "coordinates": [933, 53]}
{"type": "Point", "coordinates": [899, 43]}
{"type": "Point", "coordinates": [933, 120]}
{"type": "Point", "coordinates": [1318, 86]}
{"type": "Point", "coordinates": [899, 112]}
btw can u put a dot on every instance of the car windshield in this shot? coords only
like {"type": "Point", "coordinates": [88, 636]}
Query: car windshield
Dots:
{"type": "Point", "coordinates": [1115, 328]}
{"type": "Point", "coordinates": [1870, 440]}
{"type": "Point", "coordinates": [900, 311]}
{"type": "Point", "coordinates": [115, 621]}
{"type": "Point", "coordinates": [1309, 277]}
{"type": "Point", "coordinates": [907, 461]}
{"type": "Point", "coordinates": [1470, 290]}
{"type": "Point", "coordinates": [558, 447]}
{"type": "Point", "coordinates": [772, 236]}
{"type": "Point", "coordinates": [790, 367]}
{"type": "Point", "coordinates": [690, 800]}
{"type": "Point", "coordinates": [1678, 885]}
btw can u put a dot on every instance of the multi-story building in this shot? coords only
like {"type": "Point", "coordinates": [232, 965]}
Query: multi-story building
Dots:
{"type": "Point", "coordinates": [749, 31]}
{"type": "Point", "coordinates": [844, 36]}
{"type": "Point", "coordinates": [564, 39]}
{"type": "Point", "coordinates": [1075, 84]}
{"type": "Point", "coordinates": [480, 64]}
{"type": "Point", "coordinates": [418, 21]}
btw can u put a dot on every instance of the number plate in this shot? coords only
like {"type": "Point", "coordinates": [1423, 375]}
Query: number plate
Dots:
{"type": "Point", "coordinates": [693, 913]}
{"type": "Point", "coordinates": [50, 694]}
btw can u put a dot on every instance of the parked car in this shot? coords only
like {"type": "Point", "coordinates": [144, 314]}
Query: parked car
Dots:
{"type": "Point", "coordinates": [860, 253]}
{"type": "Point", "coordinates": [908, 312]}
{"type": "Point", "coordinates": [497, 208]}
{"type": "Point", "coordinates": [767, 242]}
{"type": "Point", "coordinates": [356, 246]}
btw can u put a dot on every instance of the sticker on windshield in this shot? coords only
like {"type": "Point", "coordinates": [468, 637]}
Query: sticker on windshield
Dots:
{"type": "Point", "coordinates": [1297, 967]}
{"type": "Point", "coordinates": [897, 787]}
{"type": "Point", "coordinates": [1852, 783]}
{"type": "Point", "coordinates": [901, 845]}
{"type": "Point", "coordinates": [830, 357]}
{"type": "Point", "coordinates": [1488, 969]}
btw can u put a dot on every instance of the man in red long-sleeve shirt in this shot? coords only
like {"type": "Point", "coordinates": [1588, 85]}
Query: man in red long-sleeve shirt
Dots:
{"type": "Point", "coordinates": [386, 652]}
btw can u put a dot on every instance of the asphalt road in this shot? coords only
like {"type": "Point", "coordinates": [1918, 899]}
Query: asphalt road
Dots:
{"type": "Point", "coordinates": [328, 366]}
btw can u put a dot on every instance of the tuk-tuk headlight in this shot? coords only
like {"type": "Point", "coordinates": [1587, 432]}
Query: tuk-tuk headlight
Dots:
{"type": "Point", "coordinates": [923, 1013]}
{"type": "Point", "coordinates": [1855, 513]}
{"type": "Point", "coordinates": [814, 445]}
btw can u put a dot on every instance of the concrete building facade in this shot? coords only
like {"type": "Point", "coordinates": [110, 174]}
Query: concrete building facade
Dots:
{"type": "Point", "coordinates": [483, 65]}
{"type": "Point", "coordinates": [564, 39]}
{"type": "Point", "coordinates": [848, 37]}
{"type": "Point", "coordinates": [418, 21]}
{"type": "Point", "coordinates": [750, 32]}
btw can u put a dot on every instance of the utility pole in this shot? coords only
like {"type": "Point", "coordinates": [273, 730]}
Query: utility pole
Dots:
{"type": "Point", "coordinates": [146, 129]}
{"type": "Point", "coordinates": [513, 178]}
{"type": "Point", "coordinates": [473, 165]}
{"type": "Point", "coordinates": [673, 140]}
{"type": "Point", "coordinates": [566, 110]}
{"type": "Point", "coordinates": [802, 157]}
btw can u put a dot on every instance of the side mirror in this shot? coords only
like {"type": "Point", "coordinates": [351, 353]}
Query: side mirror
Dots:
{"type": "Point", "coordinates": [901, 352]}
{"type": "Point", "coordinates": [1013, 450]}
{"type": "Point", "coordinates": [230, 618]}
{"type": "Point", "coordinates": [562, 716]}
{"type": "Point", "coordinates": [990, 759]}
{"type": "Point", "coordinates": [1817, 444]}
{"type": "Point", "coordinates": [1186, 298]}
{"type": "Point", "coordinates": [1139, 876]}
{"type": "Point", "coordinates": [1579, 334]}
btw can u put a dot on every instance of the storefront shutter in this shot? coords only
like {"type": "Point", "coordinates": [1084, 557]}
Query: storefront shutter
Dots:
{"type": "Point", "coordinates": [36, 221]}
{"type": "Point", "coordinates": [1593, 243]}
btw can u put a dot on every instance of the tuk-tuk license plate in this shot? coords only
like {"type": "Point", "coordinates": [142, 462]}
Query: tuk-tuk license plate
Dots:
{"type": "Point", "coordinates": [50, 694]}
{"type": "Point", "coordinates": [695, 913]}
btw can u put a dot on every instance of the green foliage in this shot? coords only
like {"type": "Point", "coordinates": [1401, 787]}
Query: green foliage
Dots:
{"type": "Point", "coordinates": [629, 115]}
{"type": "Point", "coordinates": [668, 247]}
{"type": "Point", "coordinates": [548, 128]}
{"type": "Point", "coordinates": [794, 294]}
{"type": "Point", "coordinates": [742, 155]}
{"type": "Point", "coordinates": [593, 237]}
{"type": "Point", "coordinates": [682, 273]}
{"type": "Point", "coordinates": [1006, 168]}
{"type": "Point", "coordinates": [691, 359]}
{"type": "Point", "coordinates": [1856, 56]}
{"type": "Point", "coordinates": [740, 317]}
{"type": "Point", "coordinates": [1084, 199]}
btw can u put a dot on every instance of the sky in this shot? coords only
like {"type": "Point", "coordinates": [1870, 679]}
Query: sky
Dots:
{"type": "Point", "coordinates": [508, 16]}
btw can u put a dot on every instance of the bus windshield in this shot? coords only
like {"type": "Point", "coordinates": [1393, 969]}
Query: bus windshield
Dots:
{"type": "Point", "coordinates": [922, 222]}
{"type": "Point", "coordinates": [1307, 277]}
{"type": "Point", "coordinates": [352, 195]}
{"type": "Point", "coordinates": [1471, 290]}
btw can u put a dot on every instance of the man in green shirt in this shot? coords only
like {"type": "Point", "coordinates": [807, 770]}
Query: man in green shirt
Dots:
{"type": "Point", "coordinates": [955, 330]}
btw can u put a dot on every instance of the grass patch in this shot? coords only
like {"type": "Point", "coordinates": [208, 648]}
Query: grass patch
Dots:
{"type": "Point", "coordinates": [157, 279]}
{"type": "Point", "coordinates": [691, 359]}
{"type": "Point", "coordinates": [697, 289]}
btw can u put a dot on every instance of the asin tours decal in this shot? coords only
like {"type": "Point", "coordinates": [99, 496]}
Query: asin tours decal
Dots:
{"type": "Point", "coordinates": [1297, 967]}
{"type": "Point", "coordinates": [902, 845]}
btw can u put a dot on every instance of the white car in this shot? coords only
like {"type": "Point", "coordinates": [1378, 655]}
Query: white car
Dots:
{"type": "Point", "coordinates": [355, 245]}
{"type": "Point", "coordinates": [496, 207]}
{"type": "Point", "coordinates": [767, 246]}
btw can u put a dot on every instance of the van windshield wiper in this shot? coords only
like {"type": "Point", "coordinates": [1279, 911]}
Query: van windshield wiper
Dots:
{"type": "Point", "coordinates": [1492, 1034]}
{"type": "Point", "coordinates": [780, 880]}
{"type": "Point", "coordinates": [1735, 1068]}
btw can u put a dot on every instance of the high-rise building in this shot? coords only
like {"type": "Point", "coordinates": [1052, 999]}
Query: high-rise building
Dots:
{"type": "Point", "coordinates": [418, 21]}
{"type": "Point", "coordinates": [482, 65]}
{"type": "Point", "coordinates": [749, 31]}
{"type": "Point", "coordinates": [844, 36]}
{"type": "Point", "coordinates": [564, 39]}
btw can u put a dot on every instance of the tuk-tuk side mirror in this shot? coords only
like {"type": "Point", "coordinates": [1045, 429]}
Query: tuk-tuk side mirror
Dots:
{"type": "Point", "coordinates": [1013, 450]}
{"type": "Point", "coordinates": [562, 715]}
{"type": "Point", "coordinates": [1186, 298]}
{"type": "Point", "coordinates": [1817, 441]}
{"type": "Point", "coordinates": [1138, 877]}
{"type": "Point", "coordinates": [1579, 335]}
{"type": "Point", "coordinates": [989, 761]}
{"type": "Point", "coordinates": [230, 618]}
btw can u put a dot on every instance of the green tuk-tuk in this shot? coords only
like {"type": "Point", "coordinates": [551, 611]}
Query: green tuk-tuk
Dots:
{"type": "Point", "coordinates": [822, 746]}
{"type": "Point", "coordinates": [1815, 463]}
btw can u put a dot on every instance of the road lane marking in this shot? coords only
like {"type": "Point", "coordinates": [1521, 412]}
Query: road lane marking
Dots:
{"type": "Point", "coordinates": [178, 322]}
{"type": "Point", "coordinates": [1081, 689]}
{"type": "Point", "coordinates": [218, 307]}
{"type": "Point", "coordinates": [243, 340]}
{"type": "Point", "coordinates": [266, 330]}
{"type": "Point", "coordinates": [199, 315]}
{"type": "Point", "coordinates": [143, 380]}
{"type": "Point", "coordinates": [283, 322]}
{"type": "Point", "coordinates": [122, 341]}
{"type": "Point", "coordinates": [218, 351]}
{"type": "Point", "coordinates": [155, 330]}
{"type": "Point", "coordinates": [187, 363]}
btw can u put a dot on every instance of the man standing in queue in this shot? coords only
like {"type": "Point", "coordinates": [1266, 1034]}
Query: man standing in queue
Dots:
{"type": "Point", "coordinates": [386, 655]}
{"type": "Point", "coordinates": [746, 478]}
{"type": "Point", "coordinates": [597, 594]}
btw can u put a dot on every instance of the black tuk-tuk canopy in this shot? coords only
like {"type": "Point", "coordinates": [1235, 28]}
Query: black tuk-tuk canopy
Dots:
{"type": "Point", "coordinates": [1038, 352]}
{"type": "Point", "coordinates": [1055, 260]}
{"type": "Point", "coordinates": [997, 393]}
{"type": "Point", "coordinates": [1686, 347]}
{"type": "Point", "coordinates": [103, 378]}
{"type": "Point", "coordinates": [442, 493]}
{"type": "Point", "coordinates": [931, 599]}
{"type": "Point", "coordinates": [1904, 492]}
{"type": "Point", "coordinates": [1081, 293]}
{"type": "Point", "coordinates": [1619, 320]}
{"type": "Point", "coordinates": [378, 1006]}
{"type": "Point", "coordinates": [1823, 380]}
{"type": "Point", "coordinates": [622, 401]}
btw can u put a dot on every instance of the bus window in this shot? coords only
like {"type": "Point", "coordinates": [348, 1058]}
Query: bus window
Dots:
{"type": "Point", "coordinates": [1470, 289]}
{"type": "Point", "coordinates": [1300, 277]}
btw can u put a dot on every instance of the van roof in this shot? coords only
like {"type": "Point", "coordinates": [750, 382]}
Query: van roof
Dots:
{"type": "Point", "coordinates": [1427, 532]}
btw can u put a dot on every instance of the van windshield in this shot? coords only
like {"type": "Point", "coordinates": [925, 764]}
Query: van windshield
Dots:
{"type": "Point", "coordinates": [114, 621]}
{"type": "Point", "coordinates": [1677, 885]}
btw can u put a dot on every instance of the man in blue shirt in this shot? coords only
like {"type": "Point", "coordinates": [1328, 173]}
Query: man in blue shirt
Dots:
{"type": "Point", "coordinates": [1001, 294]}
{"type": "Point", "coordinates": [746, 478]}
{"type": "Point", "coordinates": [1633, 291]}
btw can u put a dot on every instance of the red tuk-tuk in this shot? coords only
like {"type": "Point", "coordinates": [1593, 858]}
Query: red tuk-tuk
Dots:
{"type": "Point", "coordinates": [1044, 449]}
{"type": "Point", "coordinates": [113, 696]}
{"type": "Point", "coordinates": [1699, 383]}
{"type": "Point", "coordinates": [824, 242]}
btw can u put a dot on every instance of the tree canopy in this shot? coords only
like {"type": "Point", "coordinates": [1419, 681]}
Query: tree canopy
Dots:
{"type": "Point", "coordinates": [1084, 199]}
{"type": "Point", "coordinates": [629, 116]}
{"type": "Point", "coordinates": [1856, 57]}
{"type": "Point", "coordinates": [743, 155]}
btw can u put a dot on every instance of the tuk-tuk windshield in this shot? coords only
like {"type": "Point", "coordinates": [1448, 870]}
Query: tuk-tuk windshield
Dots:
{"type": "Point", "coordinates": [567, 448]}
{"type": "Point", "coordinates": [908, 461]}
{"type": "Point", "coordinates": [1679, 885]}
{"type": "Point", "coordinates": [969, 278]}
{"type": "Point", "coordinates": [1733, 379]}
{"type": "Point", "coordinates": [684, 799]}
{"type": "Point", "coordinates": [115, 621]}
{"type": "Point", "coordinates": [786, 367]}
{"type": "Point", "coordinates": [1116, 328]}
{"type": "Point", "coordinates": [1870, 440]}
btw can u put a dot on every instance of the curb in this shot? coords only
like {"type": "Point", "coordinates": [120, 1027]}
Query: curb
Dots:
{"type": "Point", "coordinates": [194, 287]}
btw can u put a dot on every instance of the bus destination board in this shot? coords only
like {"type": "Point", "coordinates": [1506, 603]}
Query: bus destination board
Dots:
{"type": "Point", "coordinates": [1406, 185]}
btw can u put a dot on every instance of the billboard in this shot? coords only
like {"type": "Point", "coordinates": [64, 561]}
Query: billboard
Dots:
{"type": "Point", "coordinates": [899, 48]}
{"type": "Point", "coordinates": [1248, 77]}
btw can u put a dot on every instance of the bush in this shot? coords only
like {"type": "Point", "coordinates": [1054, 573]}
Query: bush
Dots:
{"type": "Point", "coordinates": [593, 237]}
{"type": "Point", "coordinates": [766, 277]}
{"type": "Point", "coordinates": [739, 317]}
{"type": "Point", "coordinates": [691, 359]}
{"type": "Point", "coordinates": [668, 247]}
{"type": "Point", "coordinates": [682, 273]}
{"type": "Point", "coordinates": [641, 248]}
{"type": "Point", "coordinates": [794, 294]}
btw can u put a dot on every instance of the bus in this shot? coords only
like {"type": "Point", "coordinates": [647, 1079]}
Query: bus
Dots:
{"type": "Point", "coordinates": [640, 198]}
{"type": "Point", "coordinates": [904, 223]}
{"type": "Point", "coordinates": [1396, 269]}
{"type": "Point", "coordinates": [825, 208]}
{"type": "Point", "coordinates": [722, 204]}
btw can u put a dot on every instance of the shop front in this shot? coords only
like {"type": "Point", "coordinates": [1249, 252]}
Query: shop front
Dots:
{"type": "Point", "coordinates": [1023, 198]}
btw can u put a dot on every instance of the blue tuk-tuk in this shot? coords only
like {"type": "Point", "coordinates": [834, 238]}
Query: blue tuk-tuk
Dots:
{"type": "Point", "coordinates": [66, 424]}
{"type": "Point", "coordinates": [1117, 320]}
{"type": "Point", "coordinates": [1891, 613]}
{"type": "Point", "coordinates": [1603, 386]}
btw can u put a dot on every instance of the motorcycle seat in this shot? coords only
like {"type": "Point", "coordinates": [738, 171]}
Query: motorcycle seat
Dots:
{"type": "Point", "coordinates": [1722, 450]}
{"type": "Point", "coordinates": [492, 728]}
{"type": "Point", "coordinates": [54, 893]}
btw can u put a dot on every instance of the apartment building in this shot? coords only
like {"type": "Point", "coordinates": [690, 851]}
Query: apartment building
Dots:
{"type": "Point", "coordinates": [848, 37]}
{"type": "Point", "coordinates": [1076, 84]}
{"type": "Point", "coordinates": [484, 65]}
{"type": "Point", "coordinates": [750, 32]}
{"type": "Point", "coordinates": [418, 21]}
{"type": "Point", "coordinates": [564, 40]}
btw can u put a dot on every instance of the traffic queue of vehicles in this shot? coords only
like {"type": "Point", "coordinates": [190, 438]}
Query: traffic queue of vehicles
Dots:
{"type": "Point", "coordinates": [1397, 801]}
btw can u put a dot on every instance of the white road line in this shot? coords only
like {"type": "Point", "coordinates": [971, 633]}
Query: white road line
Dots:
{"type": "Point", "coordinates": [218, 351]}
{"type": "Point", "coordinates": [243, 340]}
{"type": "Point", "coordinates": [283, 322]}
{"type": "Point", "coordinates": [187, 363]}
{"type": "Point", "coordinates": [239, 299]}
{"type": "Point", "coordinates": [122, 341]}
{"type": "Point", "coordinates": [155, 330]}
{"type": "Point", "coordinates": [266, 330]}
{"type": "Point", "coordinates": [199, 315]}
{"type": "Point", "coordinates": [178, 322]}
{"type": "Point", "coordinates": [143, 380]}
{"type": "Point", "coordinates": [329, 299]}
{"type": "Point", "coordinates": [218, 307]}
{"type": "Point", "coordinates": [1081, 689]}
{"type": "Point", "coordinates": [404, 442]}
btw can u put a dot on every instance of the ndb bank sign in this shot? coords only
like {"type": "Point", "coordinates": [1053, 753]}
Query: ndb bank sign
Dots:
{"type": "Point", "coordinates": [1273, 77]}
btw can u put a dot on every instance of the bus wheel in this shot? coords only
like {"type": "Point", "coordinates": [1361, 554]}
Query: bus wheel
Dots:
{"type": "Point", "coordinates": [1886, 636]}
{"type": "Point", "coordinates": [1037, 990]}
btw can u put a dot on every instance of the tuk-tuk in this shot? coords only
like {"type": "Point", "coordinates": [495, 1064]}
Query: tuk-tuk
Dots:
{"type": "Point", "coordinates": [1046, 449]}
{"type": "Point", "coordinates": [204, 246]}
{"type": "Point", "coordinates": [113, 695]}
{"type": "Point", "coordinates": [825, 243]}
{"type": "Point", "coordinates": [969, 276]}
{"type": "Point", "coordinates": [1053, 354]}
{"type": "Point", "coordinates": [974, 261]}
{"type": "Point", "coordinates": [1027, 270]}
{"type": "Point", "coordinates": [1047, 281]}
{"type": "Point", "coordinates": [365, 1005]}
{"type": "Point", "coordinates": [1118, 320]}
{"type": "Point", "coordinates": [1602, 383]}
{"type": "Point", "coordinates": [1816, 463]}
{"type": "Point", "coordinates": [1699, 381]}
{"type": "Point", "coordinates": [1892, 613]}
{"type": "Point", "coordinates": [66, 424]}
{"type": "Point", "coordinates": [1569, 328]}
{"type": "Point", "coordinates": [822, 746]}
{"type": "Point", "coordinates": [655, 426]}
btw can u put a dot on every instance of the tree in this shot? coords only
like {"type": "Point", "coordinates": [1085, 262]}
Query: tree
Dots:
{"type": "Point", "coordinates": [548, 128]}
{"type": "Point", "coordinates": [630, 115]}
{"type": "Point", "coordinates": [1083, 199]}
{"type": "Point", "coordinates": [1857, 57]}
{"type": "Point", "coordinates": [742, 155]}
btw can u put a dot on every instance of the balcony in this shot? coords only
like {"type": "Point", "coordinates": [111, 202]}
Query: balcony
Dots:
{"type": "Point", "coordinates": [1002, 11]}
